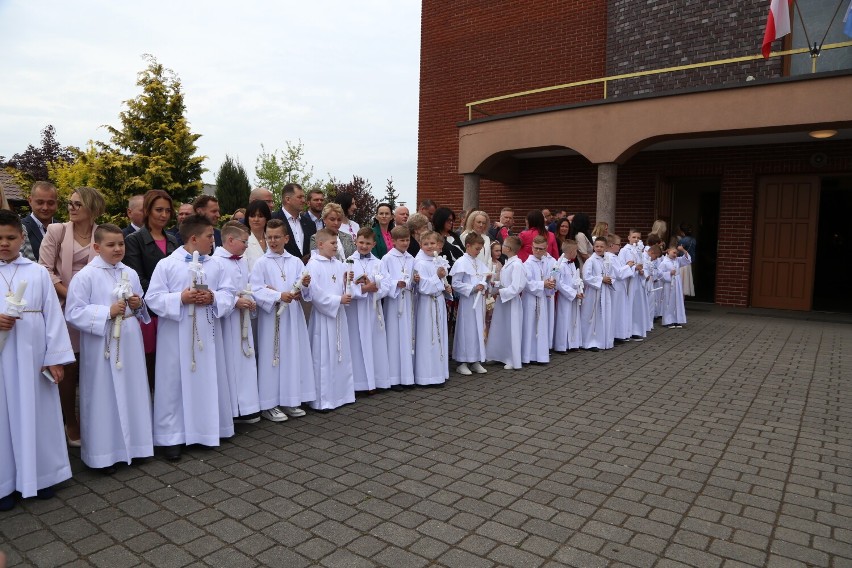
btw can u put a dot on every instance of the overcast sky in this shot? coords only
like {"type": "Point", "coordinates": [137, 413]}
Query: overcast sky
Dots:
{"type": "Point", "coordinates": [341, 76]}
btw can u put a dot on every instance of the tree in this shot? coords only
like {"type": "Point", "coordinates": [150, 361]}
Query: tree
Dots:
{"type": "Point", "coordinates": [391, 195]}
{"type": "Point", "coordinates": [232, 185]}
{"type": "Point", "coordinates": [362, 193]}
{"type": "Point", "coordinates": [93, 167]}
{"type": "Point", "coordinates": [276, 169]}
{"type": "Point", "coordinates": [154, 144]}
{"type": "Point", "coordinates": [33, 162]}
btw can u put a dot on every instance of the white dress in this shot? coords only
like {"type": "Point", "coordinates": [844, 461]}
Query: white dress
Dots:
{"type": "Point", "coordinates": [622, 312]}
{"type": "Point", "coordinates": [674, 310]}
{"type": "Point", "coordinates": [253, 252]}
{"type": "Point", "coordinates": [537, 334]}
{"type": "Point", "coordinates": [504, 337]}
{"type": "Point", "coordinates": [367, 336]}
{"type": "Point", "coordinates": [469, 339]}
{"type": "Point", "coordinates": [240, 363]}
{"type": "Point", "coordinates": [115, 403]}
{"type": "Point", "coordinates": [637, 299]}
{"type": "Point", "coordinates": [567, 333]}
{"type": "Point", "coordinates": [328, 330]}
{"type": "Point", "coordinates": [285, 367]}
{"type": "Point", "coordinates": [431, 360]}
{"type": "Point", "coordinates": [399, 317]}
{"type": "Point", "coordinates": [192, 401]}
{"type": "Point", "coordinates": [33, 453]}
{"type": "Point", "coordinates": [596, 312]}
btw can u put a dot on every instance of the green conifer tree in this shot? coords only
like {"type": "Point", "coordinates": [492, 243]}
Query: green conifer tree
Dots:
{"type": "Point", "coordinates": [154, 144]}
{"type": "Point", "coordinates": [232, 186]}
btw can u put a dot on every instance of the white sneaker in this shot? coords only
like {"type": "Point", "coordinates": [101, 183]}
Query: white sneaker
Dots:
{"type": "Point", "coordinates": [463, 369]}
{"type": "Point", "coordinates": [293, 411]}
{"type": "Point", "coordinates": [274, 415]}
{"type": "Point", "coordinates": [508, 367]}
{"type": "Point", "coordinates": [478, 368]}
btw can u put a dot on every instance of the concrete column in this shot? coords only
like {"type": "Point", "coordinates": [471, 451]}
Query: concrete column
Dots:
{"type": "Point", "coordinates": [470, 199]}
{"type": "Point", "coordinates": [607, 183]}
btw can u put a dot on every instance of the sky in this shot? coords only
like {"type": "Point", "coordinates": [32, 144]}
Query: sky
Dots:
{"type": "Point", "coordinates": [340, 76]}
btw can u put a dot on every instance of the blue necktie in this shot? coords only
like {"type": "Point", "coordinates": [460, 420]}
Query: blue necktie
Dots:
{"type": "Point", "coordinates": [201, 258]}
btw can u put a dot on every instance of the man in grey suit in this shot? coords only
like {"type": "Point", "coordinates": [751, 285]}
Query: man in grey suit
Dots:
{"type": "Point", "coordinates": [43, 203]}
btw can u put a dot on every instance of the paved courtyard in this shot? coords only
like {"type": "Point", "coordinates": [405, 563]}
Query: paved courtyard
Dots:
{"type": "Point", "coordinates": [723, 444]}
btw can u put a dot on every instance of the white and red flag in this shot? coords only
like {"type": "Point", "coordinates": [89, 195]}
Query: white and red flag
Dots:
{"type": "Point", "coordinates": [777, 24]}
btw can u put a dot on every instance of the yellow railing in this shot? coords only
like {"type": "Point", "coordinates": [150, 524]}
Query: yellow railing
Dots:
{"type": "Point", "coordinates": [605, 80]}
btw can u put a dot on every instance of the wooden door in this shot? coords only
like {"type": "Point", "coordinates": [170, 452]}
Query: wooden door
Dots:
{"type": "Point", "coordinates": [785, 242]}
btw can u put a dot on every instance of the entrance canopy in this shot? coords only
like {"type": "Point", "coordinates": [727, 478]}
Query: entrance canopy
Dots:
{"type": "Point", "coordinates": [611, 131]}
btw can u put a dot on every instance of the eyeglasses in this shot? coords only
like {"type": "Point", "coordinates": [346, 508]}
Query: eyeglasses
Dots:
{"type": "Point", "coordinates": [74, 205]}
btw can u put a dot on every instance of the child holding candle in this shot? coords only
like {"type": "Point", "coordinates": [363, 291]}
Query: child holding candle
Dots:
{"type": "Point", "coordinates": [537, 329]}
{"type": "Point", "coordinates": [431, 359]}
{"type": "Point", "coordinates": [240, 364]}
{"type": "Point", "coordinates": [596, 312]}
{"type": "Point", "coordinates": [674, 310]}
{"type": "Point", "coordinates": [329, 291]}
{"type": "Point", "coordinates": [285, 368]}
{"type": "Point", "coordinates": [399, 310]}
{"type": "Point", "coordinates": [504, 341]}
{"type": "Point", "coordinates": [104, 302]}
{"type": "Point", "coordinates": [621, 272]}
{"type": "Point", "coordinates": [192, 401]}
{"type": "Point", "coordinates": [470, 280]}
{"type": "Point", "coordinates": [569, 285]}
{"type": "Point", "coordinates": [636, 308]}
{"type": "Point", "coordinates": [367, 336]}
{"type": "Point", "coordinates": [33, 453]}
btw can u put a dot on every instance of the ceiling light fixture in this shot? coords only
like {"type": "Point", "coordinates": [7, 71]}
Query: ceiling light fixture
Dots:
{"type": "Point", "coordinates": [820, 134]}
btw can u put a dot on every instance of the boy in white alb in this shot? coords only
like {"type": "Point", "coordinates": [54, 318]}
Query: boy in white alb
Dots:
{"type": "Point", "coordinates": [285, 367]}
{"type": "Point", "coordinates": [651, 262]}
{"type": "Point", "coordinates": [596, 311]}
{"type": "Point", "coordinates": [365, 316]}
{"type": "Point", "coordinates": [567, 334]}
{"type": "Point", "coordinates": [431, 359]}
{"type": "Point", "coordinates": [104, 302]}
{"type": "Point", "coordinates": [470, 281]}
{"type": "Point", "coordinates": [536, 336]}
{"type": "Point", "coordinates": [637, 299]}
{"type": "Point", "coordinates": [622, 272]}
{"type": "Point", "coordinates": [399, 310]}
{"type": "Point", "coordinates": [674, 310]}
{"type": "Point", "coordinates": [33, 453]}
{"type": "Point", "coordinates": [240, 364]}
{"type": "Point", "coordinates": [504, 341]}
{"type": "Point", "coordinates": [328, 328]}
{"type": "Point", "coordinates": [192, 401]}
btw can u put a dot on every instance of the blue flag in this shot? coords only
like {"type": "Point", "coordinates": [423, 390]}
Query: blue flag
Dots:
{"type": "Point", "coordinates": [847, 26]}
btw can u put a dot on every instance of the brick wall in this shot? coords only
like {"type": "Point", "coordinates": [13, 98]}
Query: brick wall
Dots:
{"type": "Point", "coordinates": [668, 33]}
{"type": "Point", "coordinates": [476, 49]}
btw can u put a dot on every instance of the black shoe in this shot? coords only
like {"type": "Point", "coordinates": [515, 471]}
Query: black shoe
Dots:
{"type": "Point", "coordinates": [637, 338]}
{"type": "Point", "coordinates": [109, 470]}
{"type": "Point", "coordinates": [593, 349]}
{"type": "Point", "coordinates": [46, 493]}
{"type": "Point", "coordinates": [172, 453]}
{"type": "Point", "coordinates": [253, 418]}
{"type": "Point", "coordinates": [7, 503]}
{"type": "Point", "coordinates": [397, 388]}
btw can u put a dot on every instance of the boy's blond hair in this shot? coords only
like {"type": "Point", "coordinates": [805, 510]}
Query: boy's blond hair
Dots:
{"type": "Point", "coordinates": [324, 235]}
{"type": "Point", "coordinates": [512, 243]}
{"type": "Point", "coordinates": [613, 239]}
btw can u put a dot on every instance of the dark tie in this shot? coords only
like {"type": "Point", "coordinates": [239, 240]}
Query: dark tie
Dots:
{"type": "Point", "coordinates": [365, 256]}
{"type": "Point", "coordinates": [201, 258]}
{"type": "Point", "coordinates": [235, 257]}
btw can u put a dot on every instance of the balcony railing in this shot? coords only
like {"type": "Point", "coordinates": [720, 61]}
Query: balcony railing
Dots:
{"type": "Point", "coordinates": [605, 80]}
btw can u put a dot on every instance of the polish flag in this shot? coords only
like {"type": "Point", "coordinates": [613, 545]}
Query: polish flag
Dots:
{"type": "Point", "coordinates": [778, 23]}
